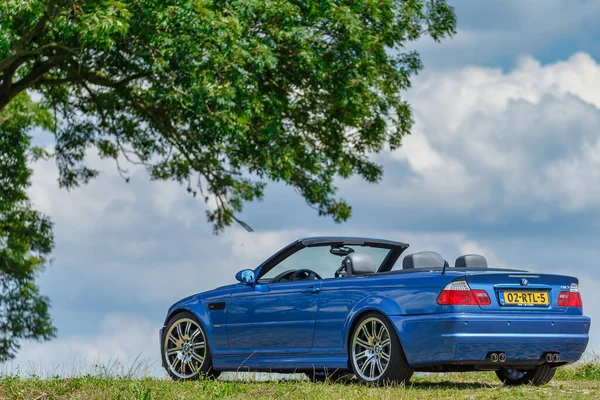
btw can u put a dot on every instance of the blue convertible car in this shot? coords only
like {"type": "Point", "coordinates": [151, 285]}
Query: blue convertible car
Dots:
{"type": "Point", "coordinates": [332, 305]}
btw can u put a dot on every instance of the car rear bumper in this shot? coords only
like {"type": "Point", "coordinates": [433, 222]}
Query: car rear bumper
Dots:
{"type": "Point", "coordinates": [440, 339]}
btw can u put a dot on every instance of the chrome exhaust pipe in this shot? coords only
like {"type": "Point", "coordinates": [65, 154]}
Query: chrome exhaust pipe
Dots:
{"type": "Point", "coordinates": [556, 358]}
{"type": "Point", "coordinates": [494, 357]}
{"type": "Point", "coordinates": [549, 357]}
{"type": "Point", "coordinates": [502, 357]}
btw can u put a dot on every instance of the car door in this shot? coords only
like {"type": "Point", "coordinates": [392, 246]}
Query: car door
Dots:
{"type": "Point", "coordinates": [273, 318]}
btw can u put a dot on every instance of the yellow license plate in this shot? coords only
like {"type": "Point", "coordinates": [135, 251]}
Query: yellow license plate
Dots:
{"type": "Point", "coordinates": [529, 298]}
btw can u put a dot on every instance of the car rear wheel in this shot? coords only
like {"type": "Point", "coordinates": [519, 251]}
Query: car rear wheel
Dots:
{"type": "Point", "coordinates": [186, 354]}
{"type": "Point", "coordinates": [376, 355]}
{"type": "Point", "coordinates": [541, 375]}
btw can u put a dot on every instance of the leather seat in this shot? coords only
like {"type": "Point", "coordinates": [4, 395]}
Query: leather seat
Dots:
{"type": "Point", "coordinates": [358, 264]}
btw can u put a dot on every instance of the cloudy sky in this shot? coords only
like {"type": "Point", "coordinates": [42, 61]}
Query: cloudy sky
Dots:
{"type": "Point", "coordinates": [504, 160]}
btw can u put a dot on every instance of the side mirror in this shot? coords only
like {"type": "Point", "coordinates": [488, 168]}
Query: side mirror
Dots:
{"type": "Point", "coordinates": [245, 276]}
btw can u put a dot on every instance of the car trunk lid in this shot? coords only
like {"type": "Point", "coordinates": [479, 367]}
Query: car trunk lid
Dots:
{"type": "Point", "coordinates": [523, 291]}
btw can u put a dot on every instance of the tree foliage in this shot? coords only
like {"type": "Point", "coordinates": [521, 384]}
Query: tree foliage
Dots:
{"type": "Point", "coordinates": [219, 95]}
{"type": "Point", "coordinates": [25, 234]}
{"type": "Point", "coordinates": [222, 95]}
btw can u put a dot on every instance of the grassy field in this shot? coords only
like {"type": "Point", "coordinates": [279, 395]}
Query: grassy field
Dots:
{"type": "Point", "coordinates": [575, 382]}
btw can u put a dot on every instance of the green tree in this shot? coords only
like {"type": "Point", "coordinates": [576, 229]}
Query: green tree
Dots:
{"type": "Point", "coordinates": [25, 235]}
{"type": "Point", "coordinates": [219, 95]}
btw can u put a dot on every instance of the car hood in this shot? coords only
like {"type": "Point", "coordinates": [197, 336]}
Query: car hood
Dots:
{"type": "Point", "coordinates": [198, 297]}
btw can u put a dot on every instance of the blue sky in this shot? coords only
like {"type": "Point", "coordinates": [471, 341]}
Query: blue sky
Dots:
{"type": "Point", "coordinates": [504, 160]}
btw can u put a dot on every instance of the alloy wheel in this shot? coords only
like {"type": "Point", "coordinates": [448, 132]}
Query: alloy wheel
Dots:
{"type": "Point", "coordinates": [371, 349]}
{"type": "Point", "coordinates": [185, 348]}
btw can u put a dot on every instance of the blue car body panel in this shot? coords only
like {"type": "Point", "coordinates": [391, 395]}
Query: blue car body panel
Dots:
{"type": "Point", "coordinates": [467, 338]}
{"type": "Point", "coordinates": [306, 325]}
{"type": "Point", "coordinates": [266, 319]}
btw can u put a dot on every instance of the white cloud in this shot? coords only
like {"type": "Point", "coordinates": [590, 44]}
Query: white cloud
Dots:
{"type": "Point", "coordinates": [493, 143]}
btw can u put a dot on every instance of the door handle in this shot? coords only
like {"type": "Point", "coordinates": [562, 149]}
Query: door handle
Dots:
{"type": "Point", "coordinates": [311, 289]}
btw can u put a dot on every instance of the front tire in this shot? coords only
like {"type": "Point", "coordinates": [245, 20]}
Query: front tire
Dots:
{"type": "Point", "coordinates": [541, 375]}
{"type": "Point", "coordinates": [376, 355]}
{"type": "Point", "coordinates": [185, 351]}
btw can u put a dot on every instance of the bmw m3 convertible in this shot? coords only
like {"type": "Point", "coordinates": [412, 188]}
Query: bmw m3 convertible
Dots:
{"type": "Point", "coordinates": [335, 305]}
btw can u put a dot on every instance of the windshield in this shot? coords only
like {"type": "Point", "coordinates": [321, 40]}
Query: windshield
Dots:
{"type": "Point", "coordinates": [320, 260]}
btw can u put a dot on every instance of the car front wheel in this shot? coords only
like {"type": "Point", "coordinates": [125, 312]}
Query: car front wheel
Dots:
{"type": "Point", "coordinates": [376, 355]}
{"type": "Point", "coordinates": [540, 375]}
{"type": "Point", "coordinates": [186, 354]}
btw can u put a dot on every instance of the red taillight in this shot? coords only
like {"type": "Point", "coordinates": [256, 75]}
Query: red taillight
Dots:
{"type": "Point", "coordinates": [569, 299]}
{"type": "Point", "coordinates": [482, 297]}
{"type": "Point", "coordinates": [458, 293]}
{"type": "Point", "coordinates": [457, 297]}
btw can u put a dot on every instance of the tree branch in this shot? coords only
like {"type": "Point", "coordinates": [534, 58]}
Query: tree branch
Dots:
{"type": "Point", "coordinates": [52, 82]}
{"type": "Point", "coordinates": [49, 50]}
{"type": "Point", "coordinates": [97, 78]}
{"type": "Point", "coordinates": [37, 30]}
{"type": "Point", "coordinates": [37, 72]}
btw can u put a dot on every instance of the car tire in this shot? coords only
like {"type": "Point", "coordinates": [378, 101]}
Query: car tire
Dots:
{"type": "Point", "coordinates": [185, 351]}
{"type": "Point", "coordinates": [540, 375]}
{"type": "Point", "coordinates": [373, 346]}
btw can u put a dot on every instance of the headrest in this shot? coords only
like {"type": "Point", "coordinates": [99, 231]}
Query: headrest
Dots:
{"type": "Point", "coordinates": [423, 259]}
{"type": "Point", "coordinates": [471, 261]}
{"type": "Point", "coordinates": [359, 264]}
{"type": "Point", "coordinates": [439, 260]}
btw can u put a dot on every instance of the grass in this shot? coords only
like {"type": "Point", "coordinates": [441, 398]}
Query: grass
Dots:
{"type": "Point", "coordinates": [574, 382]}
